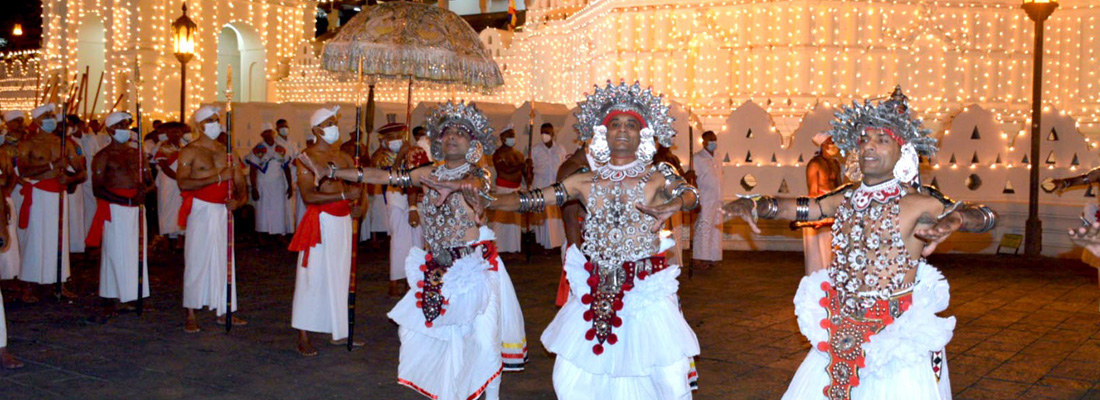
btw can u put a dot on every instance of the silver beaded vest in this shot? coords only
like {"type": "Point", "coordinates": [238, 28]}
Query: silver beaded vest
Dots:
{"type": "Point", "coordinates": [445, 226]}
{"type": "Point", "coordinates": [615, 230]}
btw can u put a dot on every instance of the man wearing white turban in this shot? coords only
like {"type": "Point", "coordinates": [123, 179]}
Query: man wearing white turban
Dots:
{"type": "Point", "coordinates": [204, 177]}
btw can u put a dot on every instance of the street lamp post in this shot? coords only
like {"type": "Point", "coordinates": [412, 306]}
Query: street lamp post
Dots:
{"type": "Point", "coordinates": [1038, 11]}
{"type": "Point", "coordinates": [184, 48]}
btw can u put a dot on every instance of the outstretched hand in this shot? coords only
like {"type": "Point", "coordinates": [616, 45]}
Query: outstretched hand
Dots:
{"type": "Point", "coordinates": [741, 208]}
{"type": "Point", "coordinates": [1087, 237]}
{"type": "Point", "coordinates": [661, 212]}
{"type": "Point", "coordinates": [936, 234]}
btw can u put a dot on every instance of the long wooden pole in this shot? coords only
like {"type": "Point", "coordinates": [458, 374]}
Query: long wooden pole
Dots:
{"type": "Point", "coordinates": [141, 185]}
{"type": "Point", "coordinates": [95, 100]}
{"type": "Point", "coordinates": [355, 221]}
{"type": "Point", "coordinates": [229, 198]}
{"type": "Point", "coordinates": [61, 197]}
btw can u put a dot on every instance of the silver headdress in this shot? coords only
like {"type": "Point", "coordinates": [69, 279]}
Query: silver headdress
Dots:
{"type": "Point", "coordinates": [892, 114]}
{"type": "Point", "coordinates": [464, 116]}
{"type": "Point", "coordinates": [621, 97]}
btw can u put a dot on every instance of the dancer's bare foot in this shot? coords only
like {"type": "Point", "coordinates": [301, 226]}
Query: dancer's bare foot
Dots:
{"type": "Point", "coordinates": [66, 294]}
{"type": "Point", "coordinates": [304, 347]}
{"type": "Point", "coordinates": [344, 342]}
{"type": "Point", "coordinates": [8, 361]}
{"type": "Point", "coordinates": [192, 324]}
{"type": "Point", "coordinates": [236, 321]}
{"type": "Point", "coordinates": [29, 297]}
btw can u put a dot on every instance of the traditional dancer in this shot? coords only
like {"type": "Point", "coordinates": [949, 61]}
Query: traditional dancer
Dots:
{"type": "Point", "coordinates": [461, 326]}
{"type": "Point", "coordinates": [47, 172]}
{"type": "Point", "coordinates": [621, 334]}
{"type": "Point", "coordinates": [7, 237]}
{"type": "Point", "coordinates": [269, 173]}
{"type": "Point", "coordinates": [508, 163]}
{"type": "Point", "coordinates": [9, 258]}
{"type": "Point", "coordinates": [871, 316]}
{"type": "Point", "coordinates": [324, 241]}
{"type": "Point", "coordinates": [120, 179]}
{"type": "Point", "coordinates": [203, 178]}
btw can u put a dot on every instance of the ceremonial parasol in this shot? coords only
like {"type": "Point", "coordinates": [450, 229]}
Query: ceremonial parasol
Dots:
{"type": "Point", "coordinates": [405, 40]}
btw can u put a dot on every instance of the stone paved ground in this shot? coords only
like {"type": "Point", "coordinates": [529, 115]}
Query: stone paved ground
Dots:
{"type": "Point", "coordinates": [1025, 330]}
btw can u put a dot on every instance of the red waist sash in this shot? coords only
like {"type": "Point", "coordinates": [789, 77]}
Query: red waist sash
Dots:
{"type": "Point", "coordinates": [103, 214]}
{"type": "Point", "coordinates": [504, 183]}
{"type": "Point", "coordinates": [215, 193]}
{"type": "Point", "coordinates": [50, 185]}
{"type": "Point", "coordinates": [848, 334]}
{"type": "Point", "coordinates": [309, 230]}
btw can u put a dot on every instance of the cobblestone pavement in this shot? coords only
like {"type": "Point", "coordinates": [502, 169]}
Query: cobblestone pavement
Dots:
{"type": "Point", "coordinates": [1026, 329]}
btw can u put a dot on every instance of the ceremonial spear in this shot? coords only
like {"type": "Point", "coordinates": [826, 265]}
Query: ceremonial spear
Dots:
{"type": "Point", "coordinates": [141, 185]}
{"type": "Point", "coordinates": [355, 220]}
{"type": "Point", "coordinates": [229, 199]}
{"type": "Point", "coordinates": [61, 195]}
{"type": "Point", "coordinates": [530, 134]}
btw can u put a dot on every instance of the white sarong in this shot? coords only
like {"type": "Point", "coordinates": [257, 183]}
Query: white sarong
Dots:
{"type": "Point", "coordinates": [403, 237]}
{"type": "Point", "coordinates": [168, 203]}
{"type": "Point", "coordinates": [38, 243]}
{"type": "Point", "coordinates": [506, 226]}
{"type": "Point", "coordinates": [377, 217]}
{"type": "Point", "coordinates": [898, 359]}
{"type": "Point", "coordinates": [77, 230]}
{"type": "Point", "coordinates": [321, 287]}
{"type": "Point", "coordinates": [118, 266]}
{"type": "Point", "coordinates": [479, 336]}
{"type": "Point", "coordinates": [707, 243]}
{"type": "Point", "coordinates": [205, 261]}
{"type": "Point", "coordinates": [652, 358]}
{"type": "Point", "coordinates": [10, 260]}
{"type": "Point", "coordinates": [548, 226]}
{"type": "Point", "coordinates": [271, 207]}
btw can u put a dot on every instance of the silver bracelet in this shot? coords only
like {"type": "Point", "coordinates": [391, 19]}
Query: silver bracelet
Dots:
{"type": "Point", "coordinates": [532, 201]}
{"type": "Point", "coordinates": [401, 178]}
{"type": "Point", "coordinates": [989, 218]}
{"type": "Point", "coordinates": [950, 209]}
{"type": "Point", "coordinates": [560, 194]}
{"type": "Point", "coordinates": [802, 209]}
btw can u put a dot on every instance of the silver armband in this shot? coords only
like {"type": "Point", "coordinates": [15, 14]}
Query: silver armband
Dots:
{"type": "Point", "coordinates": [401, 178]}
{"type": "Point", "coordinates": [771, 207]}
{"type": "Point", "coordinates": [802, 209]}
{"type": "Point", "coordinates": [989, 218]}
{"type": "Point", "coordinates": [532, 201]}
{"type": "Point", "coordinates": [678, 191]}
{"type": "Point", "coordinates": [560, 194]}
{"type": "Point", "coordinates": [949, 209]}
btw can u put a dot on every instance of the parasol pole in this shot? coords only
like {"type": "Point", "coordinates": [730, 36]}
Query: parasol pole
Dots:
{"type": "Point", "coordinates": [530, 135]}
{"type": "Point", "coordinates": [95, 100]}
{"type": "Point", "coordinates": [409, 111]}
{"type": "Point", "coordinates": [141, 184]}
{"type": "Point", "coordinates": [355, 220]}
{"type": "Point", "coordinates": [229, 199]}
{"type": "Point", "coordinates": [688, 215]}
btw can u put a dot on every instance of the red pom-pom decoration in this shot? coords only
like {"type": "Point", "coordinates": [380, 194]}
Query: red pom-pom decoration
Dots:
{"type": "Point", "coordinates": [617, 305]}
{"type": "Point", "coordinates": [823, 346]}
{"type": "Point", "coordinates": [586, 298]}
{"type": "Point", "coordinates": [642, 275]}
{"type": "Point", "coordinates": [826, 286]}
{"type": "Point", "coordinates": [593, 280]}
{"type": "Point", "coordinates": [616, 321]}
{"type": "Point", "coordinates": [588, 267]}
{"type": "Point", "coordinates": [423, 268]}
{"type": "Point", "coordinates": [824, 302]}
{"type": "Point", "coordinates": [443, 311]}
{"type": "Point", "coordinates": [826, 324]}
{"type": "Point", "coordinates": [420, 284]}
{"type": "Point", "coordinates": [419, 295]}
{"type": "Point", "coordinates": [588, 315]}
{"type": "Point", "coordinates": [428, 324]}
{"type": "Point", "coordinates": [591, 334]}
{"type": "Point", "coordinates": [419, 304]}
{"type": "Point", "coordinates": [612, 339]}
{"type": "Point", "coordinates": [598, 349]}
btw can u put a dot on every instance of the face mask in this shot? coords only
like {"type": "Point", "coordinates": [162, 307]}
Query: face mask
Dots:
{"type": "Point", "coordinates": [711, 146]}
{"type": "Point", "coordinates": [331, 134]}
{"type": "Point", "coordinates": [546, 138]}
{"type": "Point", "coordinates": [394, 145]}
{"type": "Point", "coordinates": [284, 132]}
{"type": "Point", "coordinates": [122, 135]}
{"type": "Point", "coordinates": [212, 130]}
{"type": "Point", "coordinates": [48, 125]}
{"type": "Point", "coordinates": [186, 138]}
{"type": "Point", "coordinates": [510, 141]}
{"type": "Point", "coordinates": [162, 137]}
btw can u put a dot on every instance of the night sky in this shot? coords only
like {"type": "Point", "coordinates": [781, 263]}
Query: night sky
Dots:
{"type": "Point", "coordinates": [26, 12]}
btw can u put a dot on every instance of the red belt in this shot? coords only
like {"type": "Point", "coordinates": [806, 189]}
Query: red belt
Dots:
{"type": "Point", "coordinates": [604, 319]}
{"type": "Point", "coordinates": [504, 183]}
{"type": "Point", "coordinates": [50, 185]}
{"type": "Point", "coordinates": [216, 193]}
{"type": "Point", "coordinates": [309, 230]}
{"type": "Point", "coordinates": [847, 335]}
{"type": "Point", "coordinates": [102, 215]}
